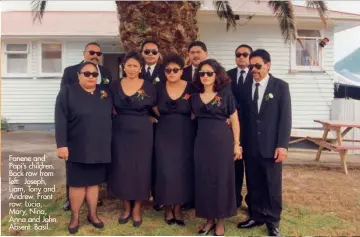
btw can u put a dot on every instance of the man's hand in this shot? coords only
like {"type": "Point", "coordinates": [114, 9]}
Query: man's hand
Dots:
{"type": "Point", "coordinates": [280, 154]}
{"type": "Point", "coordinates": [63, 153]}
{"type": "Point", "coordinates": [152, 119]}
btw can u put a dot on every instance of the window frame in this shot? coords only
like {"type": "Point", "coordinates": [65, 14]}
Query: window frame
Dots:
{"type": "Point", "coordinates": [28, 72]}
{"type": "Point", "coordinates": [318, 68]}
{"type": "Point", "coordinates": [50, 74]}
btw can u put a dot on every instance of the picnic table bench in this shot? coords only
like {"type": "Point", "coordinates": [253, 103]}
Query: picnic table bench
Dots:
{"type": "Point", "coordinates": [336, 144]}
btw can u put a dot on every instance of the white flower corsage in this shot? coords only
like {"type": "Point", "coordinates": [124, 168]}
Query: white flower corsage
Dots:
{"type": "Point", "coordinates": [106, 81]}
{"type": "Point", "coordinates": [269, 96]}
{"type": "Point", "coordinates": [156, 80]}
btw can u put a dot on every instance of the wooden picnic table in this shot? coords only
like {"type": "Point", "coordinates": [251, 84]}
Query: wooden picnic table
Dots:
{"type": "Point", "coordinates": [337, 144]}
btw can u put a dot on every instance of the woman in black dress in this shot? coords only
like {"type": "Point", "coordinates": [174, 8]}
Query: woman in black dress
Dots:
{"type": "Point", "coordinates": [132, 140]}
{"type": "Point", "coordinates": [174, 139]}
{"type": "Point", "coordinates": [83, 137]}
{"type": "Point", "coordinates": [216, 147]}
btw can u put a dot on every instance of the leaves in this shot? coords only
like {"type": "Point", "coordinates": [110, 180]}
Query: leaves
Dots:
{"type": "Point", "coordinates": [321, 7]}
{"type": "Point", "coordinates": [224, 11]}
{"type": "Point", "coordinates": [38, 8]}
{"type": "Point", "coordinates": [284, 11]}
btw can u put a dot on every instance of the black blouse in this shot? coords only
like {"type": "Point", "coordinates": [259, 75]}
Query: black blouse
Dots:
{"type": "Point", "coordinates": [220, 107]}
{"type": "Point", "coordinates": [137, 104]}
{"type": "Point", "coordinates": [83, 123]}
{"type": "Point", "coordinates": [181, 105]}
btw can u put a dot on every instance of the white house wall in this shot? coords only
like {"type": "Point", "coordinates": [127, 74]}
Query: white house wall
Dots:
{"type": "Point", "coordinates": [311, 93]}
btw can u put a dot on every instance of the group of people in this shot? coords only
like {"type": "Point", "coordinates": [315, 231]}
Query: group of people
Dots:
{"type": "Point", "coordinates": [183, 135]}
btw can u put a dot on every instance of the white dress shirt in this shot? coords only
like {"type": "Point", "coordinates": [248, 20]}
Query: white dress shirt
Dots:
{"type": "Point", "coordinates": [99, 77]}
{"type": "Point", "coordinates": [244, 75]}
{"type": "Point", "coordinates": [193, 71]}
{"type": "Point", "coordinates": [262, 87]}
{"type": "Point", "coordinates": [152, 68]}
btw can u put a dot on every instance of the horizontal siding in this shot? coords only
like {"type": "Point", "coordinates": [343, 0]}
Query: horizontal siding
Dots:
{"type": "Point", "coordinates": [311, 92]}
{"type": "Point", "coordinates": [29, 101]}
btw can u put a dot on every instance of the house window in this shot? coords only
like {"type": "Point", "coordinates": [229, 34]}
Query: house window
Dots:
{"type": "Point", "coordinates": [51, 58]}
{"type": "Point", "coordinates": [16, 58]}
{"type": "Point", "coordinates": [308, 51]}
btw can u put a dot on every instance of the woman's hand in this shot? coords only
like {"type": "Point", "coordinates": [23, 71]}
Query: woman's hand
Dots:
{"type": "Point", "coordinates": [237, 152]}
{"type": "Point", "coordinates": [63, 153]}
{"type": "Point", "coordinates": [152, 119]}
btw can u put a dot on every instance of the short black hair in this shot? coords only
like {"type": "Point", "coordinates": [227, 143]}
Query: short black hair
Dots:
{"type": "Point", "coordinates": [92, 43]}
{"type": "Point", "coordinates": [134, 55]}
{"type": "Point", "coordinates": [262, 53]}
{"type": "Point", "coordinates": [173, 58]}
{"type": "Point", "coordinates": [197, 43]}
{"type": "Point", "coordinates": [244, 46]}
{"type": "Point", "coordinates": [148, 41]}
{"type": "Point", "coordinates": [82, 65]}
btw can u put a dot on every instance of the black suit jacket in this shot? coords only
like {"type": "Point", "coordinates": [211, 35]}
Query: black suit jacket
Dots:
{"type": "Point", "coordinates": [187, 73]}
{"type": "Point", "coordinates": [238, 91]}
{"type": "Point", "coordinates": [70, 75]}
{"type": "Point", "coordinates": [159, 71]}
{"type": "Point", "coordinates": [271, 127]}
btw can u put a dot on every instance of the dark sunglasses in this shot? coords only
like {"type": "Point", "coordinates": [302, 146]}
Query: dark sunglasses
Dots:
{"type": "Point", "coordinates": [257, 66]}
{"type": "Point", "coordinates": [92, 53]}
{"type": "Point", "coordinates": [148, 51]}
{"type": "Point", "coordinates": [88, 74]}
{"type": "Point", "coordinates": [209, 74]}
{"type": "Point", "coordinates": [245, 55]}
{"type": "Point", "coordinates": [169, 70]}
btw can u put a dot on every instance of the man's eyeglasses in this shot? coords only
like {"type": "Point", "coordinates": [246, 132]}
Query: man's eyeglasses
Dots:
{"type": "Point", "coordinates": [169, 70]}
{"type": "Point", "coordinates": [148, 51]}
{"type": "Point", "coordinates": [209, 74]}
{"type": "Point", "coordinates": [92, 53]}
{"type": "Point", "coordinates": [245, 55]}
{"type": "Point", "coordinates": [88, 74]}
{"type": "Point", "coordinates": [257, 66]}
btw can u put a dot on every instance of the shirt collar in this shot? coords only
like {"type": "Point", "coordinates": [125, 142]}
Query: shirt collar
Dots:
{"type": "Point", "coordinates": [263, 82]}
{"type": "Point", "coordinates": [152, 67]}
{"type": "Point", "coordinates": [245, 69]}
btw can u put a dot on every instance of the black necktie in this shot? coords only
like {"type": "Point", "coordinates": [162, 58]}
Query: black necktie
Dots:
{"type": "Point", "coordinates": [148, 74]}
{"type": "Point", "coordinates": [241, 77]}
{"type": "Point", "coordinates": [256, 97]}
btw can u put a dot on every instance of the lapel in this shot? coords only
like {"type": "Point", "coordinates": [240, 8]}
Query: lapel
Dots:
{"type": "Point", "coordinates": [155, 72]}
{"type": "Point", "coordinates": [269, 89]}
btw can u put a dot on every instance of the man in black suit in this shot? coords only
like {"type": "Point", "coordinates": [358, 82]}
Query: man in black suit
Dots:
{"type": "Point", "coordinates": [240, 79]}
{"type": "Point", "coordinates": [152, 71]}
{"type": "Point", "coordinates": [92, 53]}
{"type": "Point", "coordinates": [155, 73]}
{"type": "Point", "coordinates": [197, 53]}
{"type": "Point", "coordinates": [267, 126]}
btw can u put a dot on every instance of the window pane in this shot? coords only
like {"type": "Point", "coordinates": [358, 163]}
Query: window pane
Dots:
{"type": "Point", "coordinates": [308, 55]}
{"type": "Point", "coordinates": [16, 63]}
{"type": "Point", "coordinates": [16, 47]}
{"type": "Point", "coordinates": [51, 58]}
{"type": "Point", "coordinates": [309, 33]}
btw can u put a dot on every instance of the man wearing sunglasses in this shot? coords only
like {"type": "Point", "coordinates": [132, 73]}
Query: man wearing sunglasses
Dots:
{"type": "Point", "coordinates": [92, 53]}
{"type": "Point", "coordinates": [197, 53]}
{"type": "Point", "coordinates": [267, 126]}
{"type": "Point", "coordinates": [240, 79]}
{"type": "Point", "coordinates": [152, 71]}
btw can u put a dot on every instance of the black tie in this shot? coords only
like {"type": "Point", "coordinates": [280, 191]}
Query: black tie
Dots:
{"type": "Point", "coordinates": [256, 97]}
{"type": "Point", "coordinates": [148, 74]}
{"type": "Point", "coordinates": [241, 77]}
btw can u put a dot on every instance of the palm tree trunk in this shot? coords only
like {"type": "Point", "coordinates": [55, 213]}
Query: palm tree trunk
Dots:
{"type": "Point", "coordinates": [172, 24]}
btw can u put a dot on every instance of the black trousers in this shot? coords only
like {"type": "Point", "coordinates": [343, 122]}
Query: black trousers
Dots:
{"type": "Point", "coordinates": [239, 180]}
{"type": "Point", "coordinates": [264, 182]}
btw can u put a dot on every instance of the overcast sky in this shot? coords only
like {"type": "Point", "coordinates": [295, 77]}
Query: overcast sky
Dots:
{"type": "Point", "coordinates": [341, 49]}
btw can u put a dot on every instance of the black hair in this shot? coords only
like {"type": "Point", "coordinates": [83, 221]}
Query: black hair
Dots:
{"type": "Point", "coordinates": [134, 55]}
{"type": "Point", "coordinates": [262, 53]}
{"type": "Point", "coordinates": [92, 43]}
{"type": "Point", "coordinates": [85, 64]}
{"type": "Point", "coordinates": [244, 46]}
{"type": "Point", "coordinates": [197, 43]}
{"type": "Point", "coordinates": [148, 42]}
{"type": "Point", "coordinates": [173, 58]}
{"type": "Point", "coordinates": [221, 79]}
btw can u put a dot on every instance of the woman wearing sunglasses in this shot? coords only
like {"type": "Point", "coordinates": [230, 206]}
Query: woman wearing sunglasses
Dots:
{"type": "Point", "coordinates": [216, 147]}
{"type": "Point", "coordinates": [83, 137]}
{"type": "Point", "coordinates": [174, 139]}
{"type": "Point", "coordinates": [132, 140]}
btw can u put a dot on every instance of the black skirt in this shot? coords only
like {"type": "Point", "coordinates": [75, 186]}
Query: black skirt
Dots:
{"type": "Point", "coordinates": [83, 175]}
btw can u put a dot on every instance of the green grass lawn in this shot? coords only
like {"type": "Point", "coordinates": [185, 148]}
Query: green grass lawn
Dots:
{"type": "Point", "coordinates": [321, 203]}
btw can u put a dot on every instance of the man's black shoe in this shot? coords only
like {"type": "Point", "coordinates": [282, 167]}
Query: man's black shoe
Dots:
{"type": "Point", "coordinates": [249, 224]}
